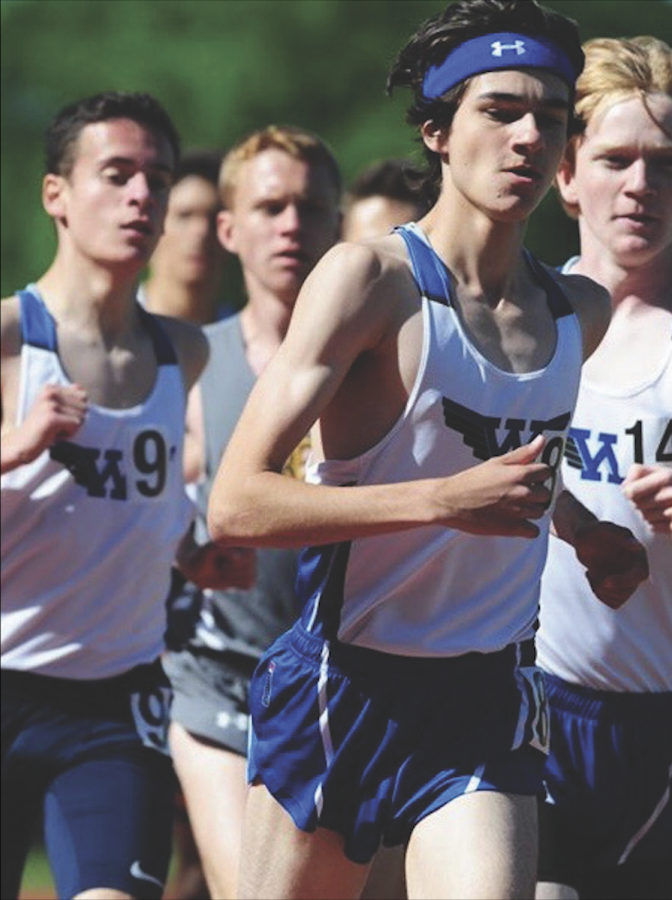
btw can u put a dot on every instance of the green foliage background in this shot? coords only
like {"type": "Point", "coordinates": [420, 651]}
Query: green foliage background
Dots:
{"type": "Point", "coordinates": [224, 67]}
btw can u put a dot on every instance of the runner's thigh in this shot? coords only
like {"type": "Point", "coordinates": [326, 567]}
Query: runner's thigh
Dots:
{"type": "Point", "coordinates": [108, 823]}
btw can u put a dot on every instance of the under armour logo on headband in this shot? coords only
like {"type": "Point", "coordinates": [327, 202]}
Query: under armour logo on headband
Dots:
{"type": "Point", "coordinates": [498, 47]}
{"type": "Point", "coordinates": [499, 50]}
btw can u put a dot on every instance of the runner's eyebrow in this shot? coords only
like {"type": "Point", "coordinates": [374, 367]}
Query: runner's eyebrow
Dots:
{"type": "Point", "coordinates": [504, 97]}
{"type": "Point", "coordinates": [630, 149]}
{"type": "Point", "coordinates": [127, 161]}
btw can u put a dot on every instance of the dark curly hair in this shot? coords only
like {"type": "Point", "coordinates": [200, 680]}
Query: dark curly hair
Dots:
{"type": "Point", "coordinates": [458, 23]}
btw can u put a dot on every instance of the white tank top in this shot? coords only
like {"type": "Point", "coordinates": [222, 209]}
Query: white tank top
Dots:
{"type": "Point", "coordinates": [435, 591]}
{"type": "Point", "coordinates": [90, 527]}
{"type": "Point", "coordinates": [581, 640]}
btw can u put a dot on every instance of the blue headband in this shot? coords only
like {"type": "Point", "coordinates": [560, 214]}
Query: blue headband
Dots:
{"type": "Point", "coordinates": [497, 51]}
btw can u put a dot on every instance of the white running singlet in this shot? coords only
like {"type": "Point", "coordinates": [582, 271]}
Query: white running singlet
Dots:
{"type": "Point", "coordinates": [90, 527]}
{"type": "Point", "coordinates": [435, 591]}
{"type": "Point", "coordinates": [581, 640]}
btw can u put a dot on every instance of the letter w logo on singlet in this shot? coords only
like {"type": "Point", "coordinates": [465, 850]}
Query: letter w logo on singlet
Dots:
{"type": "Point", "coordinates": [146, 462]}
{"type": "Point", "coordinates": [578, 455]}
{"type": "Point", "coordinates": [481, 432]}
{"type": "Point", "coordinates": [82, 462]}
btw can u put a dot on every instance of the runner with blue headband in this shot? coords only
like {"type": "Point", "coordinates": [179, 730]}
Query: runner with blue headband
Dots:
{"type": "Point", "coordinates": [437, 367]}
{"type": "Point", "coordinates": [504, 50]}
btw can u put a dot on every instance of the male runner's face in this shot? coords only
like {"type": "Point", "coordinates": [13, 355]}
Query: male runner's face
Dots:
{"type": "Point", "coordinates": [374, 216]}
{"type": "Point", "coordinates": [189, 251]}
{"type": "Point", "coordinates": [622, 180]}
{"type": "Point", "coordinates": [112, 205]}
{"type": "Point", "coordinates": [505, 143]}
{"type": "Point", "coordinates": [284, 217]}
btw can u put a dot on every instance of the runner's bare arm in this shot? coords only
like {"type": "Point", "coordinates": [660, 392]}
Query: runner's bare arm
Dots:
{"type": "Point", "coordinates": [58, 411]}
{"type": "Point", "coordinates": [346, 310]}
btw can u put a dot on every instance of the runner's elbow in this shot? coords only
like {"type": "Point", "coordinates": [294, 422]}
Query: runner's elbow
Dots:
{"type": "Point", "coordinates": [232, 521]}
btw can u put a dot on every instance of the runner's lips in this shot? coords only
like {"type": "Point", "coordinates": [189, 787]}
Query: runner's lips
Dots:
{"type": "Point", "coordinates": [525, 172]}
{"type": "Point", "coordinates": [642, 218]}
{"type": "Point", "coordinates": [298, 255]}
{"type": "Point", "coordinates": [138, 225]}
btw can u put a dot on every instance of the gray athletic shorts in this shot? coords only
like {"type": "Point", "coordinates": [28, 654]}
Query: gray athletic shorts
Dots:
{"type": "Point", "coordinates": [210, 695]}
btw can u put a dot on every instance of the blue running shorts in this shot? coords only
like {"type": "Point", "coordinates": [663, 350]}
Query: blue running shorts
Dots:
{"type": "Point", "coordinates": [90, 756]}
{"type": "Point", "coordinates": [367, 743]}
{"type": "Point", "coordinates": [608, 780]}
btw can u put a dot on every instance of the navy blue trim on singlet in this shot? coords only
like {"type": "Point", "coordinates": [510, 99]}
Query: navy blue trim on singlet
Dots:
{"type": "Point", "coordinates": [165, 352]}
{"type": "Point", "coordinates": [434, 279]}
{"type": "Point", "coordinates": [320, 581]}
{"type": "Point", "coordinates": [558, 303]}
{"type": "Point", "coordinates": [38, 328]}
{"type": "Point", "coordinates": [429, 271]}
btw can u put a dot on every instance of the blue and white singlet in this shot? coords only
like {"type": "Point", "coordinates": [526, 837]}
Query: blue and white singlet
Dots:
{"type": "Point", "coordinates": [580, 639]}
{"type": "Point", "coordinates": [90, 527]}
{"type": "Point", "coordinates": [436, 591]}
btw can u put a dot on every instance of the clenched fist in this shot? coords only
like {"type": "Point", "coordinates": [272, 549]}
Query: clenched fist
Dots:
{"type": "Point", "coordinates": [57, 414]}
{"type": "Point", "coordinates": [616, 562]}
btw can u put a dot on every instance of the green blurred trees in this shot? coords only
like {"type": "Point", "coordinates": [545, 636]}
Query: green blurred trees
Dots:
{"type": "Point", "coordinates": [224, 67]}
